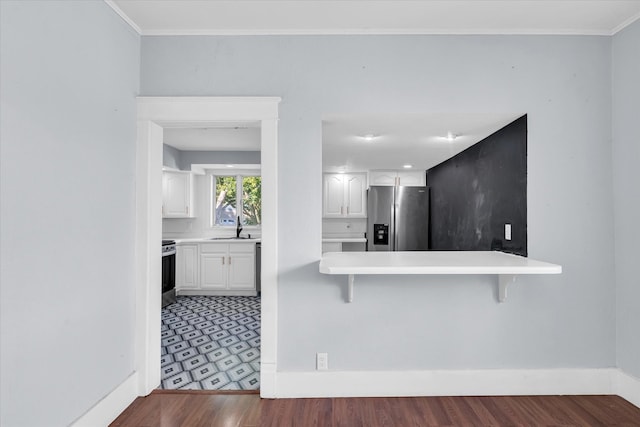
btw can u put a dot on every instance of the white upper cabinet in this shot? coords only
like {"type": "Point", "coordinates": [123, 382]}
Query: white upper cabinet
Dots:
{"type": "Point", "coordinates": [333, 197]}
{"type": "Point", "coordinates": [356, 197]}
{"type": "Point", "coordinates": [412, 179]}
{"type": "Point", "coordinates": [392, 178]}
{"type": "Point", "coordinates": [344, 195]}
{"type": "Point", "coordinates": [177, 194]}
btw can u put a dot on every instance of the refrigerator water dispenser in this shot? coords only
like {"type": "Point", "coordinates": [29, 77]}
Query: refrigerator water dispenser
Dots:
{"type": "Point", "coordinates": [380, 234]}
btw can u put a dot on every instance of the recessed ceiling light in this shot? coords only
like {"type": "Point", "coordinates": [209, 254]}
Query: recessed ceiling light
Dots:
{"type": "Point", "coordinates": [407, 166]}
{"type": "Point", "coordinates": [451, 136]}
{"type": "Point", "coordinates": [369, 137]}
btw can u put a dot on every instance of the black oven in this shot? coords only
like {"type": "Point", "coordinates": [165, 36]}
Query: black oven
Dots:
{"type": "Point", "coordinates": [168, 272]}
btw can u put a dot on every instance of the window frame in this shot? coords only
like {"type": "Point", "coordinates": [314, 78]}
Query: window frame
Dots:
{"type": "Point", "coordinates": [239, 174]}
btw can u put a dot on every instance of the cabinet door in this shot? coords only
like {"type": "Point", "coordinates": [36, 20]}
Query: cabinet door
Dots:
{"type": "Point", "coordinates": [333, 203]}
{"type": "Point", "coordinates": [356, 189]}
{"type": "Point", "coordinates": [242, 271]}
{"type": "Point", "coordinates": [187, 267]}
{"type": "Point", "coordinates": [213, 271]}
{"type": "Point", "coordinates": [387, 178]}
{"type": "Point", "coordinates": [412, 179]}
{"type": "Point", "coordinates": [176, 194]}
{"type": "Point", "coordinates": [331, 247]}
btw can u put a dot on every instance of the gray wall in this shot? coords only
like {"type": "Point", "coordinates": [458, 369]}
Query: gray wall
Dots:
{"type": "Point", "coordinates": [171, 156]}
{"type": "Point", "coordinates": [183, 160]}
{"type": "Point", "coordinates": [626, 157]}
{"type": "Point", "coordinates": [187, 158]}
{"type": "Point", "coordinates": [417, 322]}
{"type": "Point", "coordinates": [69, 77]}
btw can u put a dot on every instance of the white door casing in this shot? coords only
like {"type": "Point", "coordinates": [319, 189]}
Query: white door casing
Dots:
{"type": "Point", "coordinates": [154, 114]}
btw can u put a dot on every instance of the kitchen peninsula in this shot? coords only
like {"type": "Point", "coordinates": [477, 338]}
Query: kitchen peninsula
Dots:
{"type": "Point", "coordinates": [506, 266]}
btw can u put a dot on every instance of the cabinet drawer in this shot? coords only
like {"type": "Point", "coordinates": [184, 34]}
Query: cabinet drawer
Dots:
{"type": "Point", "coordinates": [236, 248]}
{"type": "Point", "coordinates": [208, 248]}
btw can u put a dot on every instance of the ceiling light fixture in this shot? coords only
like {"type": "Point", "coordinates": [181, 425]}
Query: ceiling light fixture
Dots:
{"type": "Point", "coordinates": [369, 137]}
{"type": "Point", "coordinates": [229, 166]}
{"type": "Point", "coordinates": [451, 136]}
{"type": "Point", "coordinates": [407, 166]}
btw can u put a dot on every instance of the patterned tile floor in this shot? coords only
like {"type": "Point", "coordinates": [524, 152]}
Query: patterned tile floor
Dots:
{"type": "Point", "coordinates": [211, 343]}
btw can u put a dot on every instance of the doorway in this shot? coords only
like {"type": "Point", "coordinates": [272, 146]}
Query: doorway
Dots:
{"type": "Point", "coordinates": [154, 114]}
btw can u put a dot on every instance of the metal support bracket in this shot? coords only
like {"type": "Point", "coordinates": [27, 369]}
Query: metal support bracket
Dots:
{"type": "Point", "coordinates": [351, 280]}
{"type": "Point", "coordinates": [504, 280]}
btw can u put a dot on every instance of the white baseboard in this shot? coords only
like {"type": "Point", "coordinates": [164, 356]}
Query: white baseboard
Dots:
{"type": "Point", "coordinates": [627, 387]}
{"type": "Point", "coordinates": [489, 382]}
{"type": "Point", "coordinates": [268, 380]}
{"type": "Point", "coordinates": [112, 405]}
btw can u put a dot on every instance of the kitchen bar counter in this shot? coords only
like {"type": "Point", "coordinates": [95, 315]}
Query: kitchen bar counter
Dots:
{"type": "Point", "coordinates": [506, 266]}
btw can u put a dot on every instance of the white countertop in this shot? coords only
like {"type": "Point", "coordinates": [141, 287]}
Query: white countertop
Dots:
{"type": "Point", "coordinates": [433, 262]}
{"type": "Point", "coordinates": [216, 240]}
{"type": "Point", "coordinates": [344, 240]}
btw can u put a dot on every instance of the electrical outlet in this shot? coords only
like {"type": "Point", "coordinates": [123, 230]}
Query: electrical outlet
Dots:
{"type": "Point", "coordinates": [322, 361]}
{"type": "Point", "coordinates": [507, 232]}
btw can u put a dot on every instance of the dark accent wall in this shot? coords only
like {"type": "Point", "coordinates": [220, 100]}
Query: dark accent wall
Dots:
{"type": "Point", "coordinates": [475, 193]}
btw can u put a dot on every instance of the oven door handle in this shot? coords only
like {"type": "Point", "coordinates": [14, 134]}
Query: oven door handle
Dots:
{"type": "Point", "coordinates": [164, 254]}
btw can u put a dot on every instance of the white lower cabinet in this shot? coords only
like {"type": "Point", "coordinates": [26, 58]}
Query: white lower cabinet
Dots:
{"type": "Point", "coordinates": [331, 247]}
{"type": "Point", "coordinates": [224, 269]}
{"type": "Point", "coordinates": [242, 265]}
{"type": "Point", "coordinates": [213, 271]}
{"type": "Point", "coordinates": [187, 267]}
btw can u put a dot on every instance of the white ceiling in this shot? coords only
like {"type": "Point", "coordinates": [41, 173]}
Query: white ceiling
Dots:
{"type": "Point", "coordinates": [188, 17]}
{"type": "Point", "coordinates": [415, 139]}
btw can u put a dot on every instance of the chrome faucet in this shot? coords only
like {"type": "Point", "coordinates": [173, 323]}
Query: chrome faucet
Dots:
{"type": "Point", "coordinates": [238, 228]}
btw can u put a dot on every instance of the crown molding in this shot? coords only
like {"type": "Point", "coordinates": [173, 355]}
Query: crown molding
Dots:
{"type": "Point", "coordinates": [371, 32]}
{"type": "Point", "coordinates": [625, 24]}
{"type": "Point", "coordinates": [124, 16]}
{"type": "Point", "coordinates": [365, 31]}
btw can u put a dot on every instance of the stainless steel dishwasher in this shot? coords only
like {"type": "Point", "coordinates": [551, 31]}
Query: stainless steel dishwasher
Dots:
{"type": "Point", "coordinates": [258, 264]}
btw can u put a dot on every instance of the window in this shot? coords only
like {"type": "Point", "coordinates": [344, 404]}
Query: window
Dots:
{"type": "Point", "coordinates": [236, 196]}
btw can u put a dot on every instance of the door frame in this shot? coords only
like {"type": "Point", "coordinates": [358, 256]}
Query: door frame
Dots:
{"type": "Point", "coordinates": [154, 114]}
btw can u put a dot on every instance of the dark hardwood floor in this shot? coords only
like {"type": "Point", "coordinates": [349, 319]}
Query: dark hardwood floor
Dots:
{"type": "Point", "coordinates": [194, 409]}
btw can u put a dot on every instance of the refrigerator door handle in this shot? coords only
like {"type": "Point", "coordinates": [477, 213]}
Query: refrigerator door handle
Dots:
{"type": "Point", "coordinates": [392, 228]}
{"type": "Point", "coordinates": [395, 227]}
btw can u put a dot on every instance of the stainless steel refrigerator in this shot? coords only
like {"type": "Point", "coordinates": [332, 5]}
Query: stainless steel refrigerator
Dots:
{"type": "Point", "coordinates": [398, 218]}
